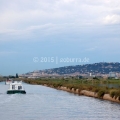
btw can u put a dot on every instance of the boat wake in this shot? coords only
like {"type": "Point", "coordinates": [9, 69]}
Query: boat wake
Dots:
{"type": "Point", "coordinates": [6, 99]}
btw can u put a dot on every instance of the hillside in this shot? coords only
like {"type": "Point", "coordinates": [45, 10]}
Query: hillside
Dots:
{"type": "Point", "coordinates": [96, 68]}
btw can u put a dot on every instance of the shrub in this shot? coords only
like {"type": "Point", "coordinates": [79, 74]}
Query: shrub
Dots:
{"type": "Point", "coordinates": [112, 93]}
{"type": "Point", "coordinates": [90, 88]}
{"type": "Point", "coordinates": [95, 89]}
{"type": "Point", "coordinates": [101, 93]}
{"type": "Point", "coordinates": [115, 93]}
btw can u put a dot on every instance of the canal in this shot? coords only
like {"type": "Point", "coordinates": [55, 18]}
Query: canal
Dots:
{"type": "Point", "coordinates": [44, 103]}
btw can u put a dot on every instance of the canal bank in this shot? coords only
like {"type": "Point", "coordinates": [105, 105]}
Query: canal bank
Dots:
{"type": "Point", "coordinates": [104, 93]}
{"type": "Point", "coordinates": [86, 93]}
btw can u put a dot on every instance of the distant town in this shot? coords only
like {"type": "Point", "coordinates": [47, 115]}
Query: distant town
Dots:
{"type": "Point", "coordinates": [99, 70]}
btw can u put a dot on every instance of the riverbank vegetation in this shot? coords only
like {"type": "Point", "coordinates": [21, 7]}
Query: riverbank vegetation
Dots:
{"type": "Point", "coordinates": [2, 79]}
{"type": "Point", "coordinates": [101, 87]}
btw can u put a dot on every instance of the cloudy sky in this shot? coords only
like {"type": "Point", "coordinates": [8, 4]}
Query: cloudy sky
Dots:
{"type": "Point", "coordinates": [57, 29]}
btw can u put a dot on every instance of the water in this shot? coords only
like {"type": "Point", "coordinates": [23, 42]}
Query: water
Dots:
{"type": "Point", "coordinates": [110, 85]}
{"type": "Point", "coordinates": [44, 103]}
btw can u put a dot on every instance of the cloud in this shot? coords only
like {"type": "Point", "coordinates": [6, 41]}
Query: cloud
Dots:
{"type": "Point", "coordinates": [112, 19]}
{"type": "Point", "coordinates": [44, 11]}
{"type": "Point", "coordinates": [28, 17]}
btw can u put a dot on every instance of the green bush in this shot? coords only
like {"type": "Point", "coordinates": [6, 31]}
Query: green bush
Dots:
{"type": "Point", "coordinates": [95, 89]}
{"type": "Point", "coordinates": [112, 93]}
{"type": "Point", "coordinates": [101, 93]}
{"type": "Point", "coordinates": [90, 88]}
{"type": "Point", "coordinates": [115, 93]}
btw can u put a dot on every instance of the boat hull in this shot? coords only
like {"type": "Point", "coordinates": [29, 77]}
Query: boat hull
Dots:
{"type": "Point", "coordinates": [16, 91]}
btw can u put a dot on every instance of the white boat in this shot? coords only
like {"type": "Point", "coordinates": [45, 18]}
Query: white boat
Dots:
{"type": "Point", "coordinates": [16, 87]}
{"type": "Point", "coordinates": [8, 81]}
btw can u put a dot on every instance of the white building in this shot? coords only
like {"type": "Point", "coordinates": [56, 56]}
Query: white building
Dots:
{"type": "Point", "coordinates": [112, 75]}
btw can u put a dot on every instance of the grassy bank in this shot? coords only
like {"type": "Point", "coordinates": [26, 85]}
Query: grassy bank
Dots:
{"type": "Point", "coordinates": [2, 79]}
{"type": "Point", "coordinates": [89, 85]}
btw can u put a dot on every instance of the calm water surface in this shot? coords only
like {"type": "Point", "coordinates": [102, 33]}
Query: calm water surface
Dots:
{"type": "Point", "coordinates": [43, 103]}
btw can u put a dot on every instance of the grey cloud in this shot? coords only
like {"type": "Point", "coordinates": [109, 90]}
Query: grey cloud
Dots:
{"type": "Point", "coordinates": [56, 16]}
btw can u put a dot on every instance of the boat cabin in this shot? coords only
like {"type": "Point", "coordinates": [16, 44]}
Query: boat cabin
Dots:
{"type": "Point", "coordinates": [16, 87]}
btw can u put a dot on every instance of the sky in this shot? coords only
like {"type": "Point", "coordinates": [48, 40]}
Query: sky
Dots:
{"type": "Point", "coordinates": [43, 34]}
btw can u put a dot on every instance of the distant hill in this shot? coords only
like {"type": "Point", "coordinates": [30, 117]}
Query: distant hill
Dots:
{"type": "Point", "coordinates": [96, 68]}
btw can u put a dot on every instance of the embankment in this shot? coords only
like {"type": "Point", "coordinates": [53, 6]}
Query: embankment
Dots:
{"type": "Point", "coordinates": [76, 87]}
{"type": "Point", "coordinates": [86, 93]}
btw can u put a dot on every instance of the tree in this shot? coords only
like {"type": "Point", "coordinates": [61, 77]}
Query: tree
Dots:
{"type": "Point", "coordinates": [16, 75]}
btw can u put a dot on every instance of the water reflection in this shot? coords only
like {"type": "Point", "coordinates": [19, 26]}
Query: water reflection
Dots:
{"type": "Point", "coordinates": [109, 85]}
